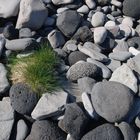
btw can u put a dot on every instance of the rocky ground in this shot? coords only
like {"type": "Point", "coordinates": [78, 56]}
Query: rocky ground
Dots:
{"type": "Point", "coordinates": [98, 42]}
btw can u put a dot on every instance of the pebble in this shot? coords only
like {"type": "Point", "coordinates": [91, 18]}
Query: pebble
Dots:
{"type": "Point", "coordinates": [58, 2]}
{"type": "Point", "coordinates": [84, 9]}
{"type": "Point", "coordinates": [90, 3]}
{"type": "Point", "coordinates": [134, 51]}
{"type": "Point", "coordinates": [128, 21]}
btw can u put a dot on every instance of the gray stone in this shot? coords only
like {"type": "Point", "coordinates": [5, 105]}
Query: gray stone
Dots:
{"type": "Point", "coordinates": [90, 3]}
{"type": "Point", "coordinates": [68, 22]}
{"type": "Point", "coordinates": [134, 42]}
{"type": "Point", "coordinates": [103, 2]}
{"type": "Point", "coordinates": [58, 2]}
{"type": "Point", "coordinates": [86, 84]}
{"type": "Point", "coordinates": [112, 100]}
{"type": "Point", "coordinates": [23, 99]}
{"type": "Point", "coordinates": [106, 73]}
{"type": "Point", "coordinates": [2, 45]}
{"type": "Point", "coordinates": [21, 44]}
{"type": "Point", "coordinates": [50, 104]}
{"type": "Point", "coordinates": [22, 130]}
{"type": "Point", "coordinates": [128, 21]}
{"type": "Point", "coordinates": [50, 21]}
{"type": "Point", "coordinates": [56, 39]}
{"type": "Point", "coordinates": [81, 69]}
{"type": "Point", "coordinates": [25, 33]}
{"type": "Point", "coordinates": [125, 75]}
{"type": "Point", "coordinates": [120, 55]}
{"type": "Point", "coordinates": [32, 14]}
{"type": "Point", "coordinates": [103, 132]}
{"type": "Point", "coordinates": [83, 9]}
{"type": "Point", "coordinates": [93, 53]}
{"type": "Point", "coordinates": [98, 19]}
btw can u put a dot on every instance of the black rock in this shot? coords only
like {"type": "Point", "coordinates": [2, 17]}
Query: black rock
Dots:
{"type": "Point", "coordinates": [104, 132]}
{"type": "Point", "coordinates": [75, 121]}
{"type": "Point", "coordinates": [76, 56]}
{"type": "Point", "coordinates": [103, 2]}
{"type": "Point", "coordinates": [68, 22]}
{"type": "Point", "coordinates": [46, 130]}
{"type": "Point", "coordinates": [23, 99]}
{"type": "Point", "coordinates": [10, 32]}
{"type": "Point", "coordinates": [131, 8]}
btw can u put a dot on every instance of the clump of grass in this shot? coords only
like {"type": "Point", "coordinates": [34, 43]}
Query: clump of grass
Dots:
{"type": "Point", "coordinates": [37, 70]}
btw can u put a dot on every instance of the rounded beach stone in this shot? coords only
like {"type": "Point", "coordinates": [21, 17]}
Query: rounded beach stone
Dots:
{"type": "Point", "coordinates": [23, 99]}
{"type": "Point", "coordinates": [112, 100]}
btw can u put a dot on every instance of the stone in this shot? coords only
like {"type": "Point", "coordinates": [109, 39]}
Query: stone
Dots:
{"type": "Point", "coordinates": [103, 2]}
{"type": "Point", "coordinates": [116, 3]}
{"type": "Point", "coordinates": [86, 84]}
{"type": "Point", "coordinates": [50, 21]}
{"type": "Point", "coordinates": [25, 33]}
{"type": "Point", "coordinates": [2, 45]}
{"type": "Point", "coordinates": [62, 9]}
{"type": "Point", "coordinates": [93, 53]}
{"type": "Point", "coordinates": [10, 32]}
{"type": "Point", "coordinates": [81, 69]}
{"type": "Point", "coordinates": [137, 121]}
{"type": "Point", "coordinates": [138, 29]}
{"type": "Point", "coordinates": [21, 44]}
{"type": "Point", "coordinates": [128, 21]}
{"type": "Point", "coordinates": [56, 39]}
{"type": "Point", "coordinates": [125, 30]}
{"type": "Point", "coordinates": [134, 42]}
{"type": "Point", "coordinates": [83, 9]}
{"type": "Point", "coordinates": [61, 53]}
{"type": "Point", "coordinates": [44, 130]}
{"type": "Point", "coordinates": [22, 130]}
{"type": "Point", "coordinates": [50, 104]}
{"type": "Point", "coordinates": [90, 3]}
{"type": "Point", "coordinates": [98, 19]}
{"type": "Point", "coordinates": [83, 34]}
{"type": "Point", "coordinates": [68, 22]}
{"type": "Point", "coordinates": [106, 73]}
{"type": "Point", "coordinates": [75, 57]}
{"type": "Point", "coordinates": [129, 11]}
{"type": "Point", "coordinates": [120, 55]}
{"type": "Point", "coordinates": [125, 75]}
{"type": "Point", "coordinates": [4, 83]}
{"type": "Point", "coordinates": [9, 8]}
{"type": "Point", "coordinates": [127, 131]}
{"type": "Point", "coordinates": [109, 24]}
{"type": "Point", "coordinates": [107, 97]}
{"type": "Point", "coordinates": [58, 2]}
{"type": "Point", "coordinates": [32, 14]}
{"type": "Point", "coordinates": [134, 51]}
{"type": "Point", "coordinates": [76, 118]}
{"type": "Point", "coordinates": [100, 34]}
{"type": "Point", "coordinates": [23, 99]}
{"type": "Point", "coordinates": [102, 132]}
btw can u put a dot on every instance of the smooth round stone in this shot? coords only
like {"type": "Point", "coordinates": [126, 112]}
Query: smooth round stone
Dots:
{"type": "Point", "coordinates": [25, 33]}
{"type": "Point", "coordinates": [84, 9]}
{"type": "Point", "coordinates": [90, 3]}
{"type": "Point", "coordinates": [134, 51]}
{"type": "Point", "coordinates": [110, 24]}
{"type": "Point", "coordinates": [112, 100]}
{"type": "Point", "coordinates": [59, 2]}
{"type": "Point", "coordinates": [103, 2]}
{"type": "Point", "coordinates": [98, 19]}
{"type": "Point", "coordinates": [81, 69]}
{"type": "Point", "coordinates": [62, 9]}
{"type": "Point", "coordinates": [116, 3]}
{"type": "Point", "coordinates": [128, 21]}
{"type": "Point", "coordinates": [23, 99]}
{"type": "Point", "coordinates": [100, 34]}
{"type": "Point", "coordinates": [104, 132]}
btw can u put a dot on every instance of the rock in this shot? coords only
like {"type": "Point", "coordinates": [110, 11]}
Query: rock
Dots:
{"type": "Point", "coordinates": [103, 2]}
{"type": "Point", "coordinates": [81, 69]}
{"type": "Point", "coordinates": [102, 132]}
{"type": "Point", "coordinates": [116, 3]}
{"type": "Point", "coordinates": [22, 130]}
{"type": "Point", "coordinates": [107, 97]}
{"type": "Point", "coordinates": [61, 10]}
{"type": "Point", "coordinates": [90, 3]}
{"type": "Point", "coordinates": [100, 34]}
{"type": "Point", "coordinates": [68, 22]}
{"type": "Point", "coordinates": [49, 21]}
{"type": "Point", "coordinates": [45, 130]}
{"type": "Point", "coordinates": [76, 118]}
{"type": "Point", "coordinates": [25, 33]}
{"type": "Point", "coordinates": [21, 44]}
{"type": "Point", "coordinates": [4, 84]}
{"type": "Point", "coordinates": [23, 99]}
{"type": "Point", "coordinates": [106, 73]}
{"type": "Point", "coordinates": [58, 2]}
{"type": "Point", "coordinates": [120, 55]}
{"type": "Point", "coordinates": [61, 53]}
{"type": "Point", "coordinates": [83, 9]}
{"type": "Point", "coordinates": [93, 53]}
{"type": "Point", "coordinates": [137, 121]}
{"type": "Point", "coordinates": [134, 51]}
{"type": "Point", "coordinates": [134, 42]}
{"type": "Point", "coordinates": [125, 30]}
{"type": "Point", "coordinates": [6, 119]}
{"type": "Point", "coordinates": [32, 14]}
{"type": "Point", "coordinates": [127, 131]}
{"type": "Point", "coordinates": [98, 19]}
{"type": "Point", "coordinates": [56, 39]}
{"type": "Point", "coordinates": [110, 24]}
{"type": "Point", "coordinates": [83, 34]}
{"type": "Point", "coordinates": [9, 8]}
{"type": "Point", "coordinates": [86, 84]}
{"type": "Point", "coordinates": [125, 75]}
{"type": "Point", "coordinates": [10, 32]}
{"type": "Point", "coordinates": [128, 21]}
{"type": "Point", "coordinates": [2, 45]}
{"type": "Point", "coordinates": [50, 104]}
{"type": "Point", "coordinates": [75, 57]}
{"type": "Point", "coordinates": [127, 8]}
{"type": "Point", "coordinates": [138, 29]}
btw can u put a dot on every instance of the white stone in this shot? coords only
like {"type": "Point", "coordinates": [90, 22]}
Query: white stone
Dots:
{"type": "Point", "coordinates": [90, 3]}
{"type": "Point", "coordinates": [116, 3]}
{"type": "Point", "coordinates": [62, 9]}
{"type": "Point", "coordinates": [128, 21]}
{"type": "Point", "coordinates": [98, 19]}
{"type": "Point", "coordinates": [58, 2]}
{"type": "Point", "coordinates": [83, 9]}
{"type": "Point", "coordinates": [134, 51]}
{"type": "Point", "coordinates": [110, 24]}
{"type": "Point", "coordinates": [9, 8]}
{"type": "Point", "coordinates": [124, 75]}
{"type": "Point", "coordinates": [32, 14]}
{"type": "Point", "coordinates": [100, 34]}
{"type": "Point", "coordinates": [50, 104]}
{"type": "Point", "coordinates": [125, 30]}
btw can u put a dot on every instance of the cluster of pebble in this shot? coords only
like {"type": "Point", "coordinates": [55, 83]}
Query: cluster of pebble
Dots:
{"type": "Point", "coordinates": [98, 42]}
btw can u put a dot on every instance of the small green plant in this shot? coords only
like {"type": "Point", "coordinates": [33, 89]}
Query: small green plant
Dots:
{"type": "Point", "coordinates": [37, 70]}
